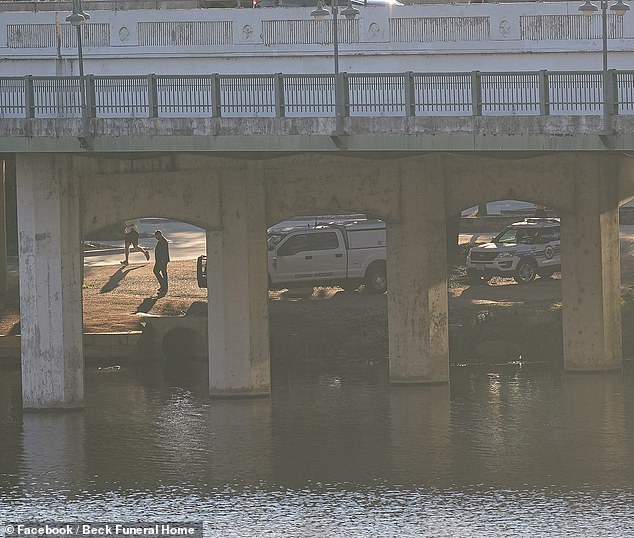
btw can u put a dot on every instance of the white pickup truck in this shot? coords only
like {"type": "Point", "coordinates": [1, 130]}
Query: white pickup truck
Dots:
{"type": "Point", "coordinates": [345, 254]}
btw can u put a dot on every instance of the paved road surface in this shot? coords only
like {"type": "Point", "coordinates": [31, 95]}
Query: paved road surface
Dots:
{"type": "Point", "coordinates": [186, 242]}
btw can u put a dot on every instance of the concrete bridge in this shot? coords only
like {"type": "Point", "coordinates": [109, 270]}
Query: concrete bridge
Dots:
{"type": "Point", "coordinates": [80, 168]}
{"type": "Point", "coordinates": [62, 197]}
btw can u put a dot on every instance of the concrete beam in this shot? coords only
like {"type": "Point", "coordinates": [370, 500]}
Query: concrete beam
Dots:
{"type": "Point", "coordinates": [271, 134]}
{"type": "Point", "coordinates": [543, 179]}
{"type": "Point", "coordinates": [170, 187]}
{"type": "Point", "coordinates": [310, 184]}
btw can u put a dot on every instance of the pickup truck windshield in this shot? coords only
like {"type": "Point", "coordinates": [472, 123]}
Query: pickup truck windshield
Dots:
{"type": "Point", "coordinates": [273, 240]}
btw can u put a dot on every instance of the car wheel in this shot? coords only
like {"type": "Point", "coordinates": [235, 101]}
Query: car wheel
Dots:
{"type": "Point", "coordinates": [525, 272]}
{"type": "Point", "coordinates": [376, 279]}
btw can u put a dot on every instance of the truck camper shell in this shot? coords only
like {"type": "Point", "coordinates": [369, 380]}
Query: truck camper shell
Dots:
{"type": "Point", "coordinates": [310, 221]}
{"type": "Point", "coordinates": [365, 234]}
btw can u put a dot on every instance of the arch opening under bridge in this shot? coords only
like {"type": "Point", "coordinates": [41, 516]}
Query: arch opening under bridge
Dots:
{"type": "Point", "coordinates": [505, 296]}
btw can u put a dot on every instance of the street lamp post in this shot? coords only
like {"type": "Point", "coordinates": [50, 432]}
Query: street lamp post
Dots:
{"type": "Point", "coordinates": [77, 18]}
{"type": "Point", "coordinates": [619, 9]}
{"type": "Point", "coordinates": [349, 12]}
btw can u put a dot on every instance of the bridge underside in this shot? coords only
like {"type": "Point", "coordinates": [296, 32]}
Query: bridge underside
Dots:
{"type": "Point", "coordinates": [62, 197]}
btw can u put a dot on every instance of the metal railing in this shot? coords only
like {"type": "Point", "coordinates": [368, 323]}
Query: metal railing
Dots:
{"type": "Point", "coordinates": [281, 95]}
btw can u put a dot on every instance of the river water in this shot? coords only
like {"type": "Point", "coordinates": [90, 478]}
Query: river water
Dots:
{"type": "Point", "coordinates": [510, 450]}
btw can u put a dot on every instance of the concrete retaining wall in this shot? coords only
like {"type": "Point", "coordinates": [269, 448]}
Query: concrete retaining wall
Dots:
{"type": "Point", "coordinates": [162, 338]}
{"type": "Point", "coordinates": [98, 347]}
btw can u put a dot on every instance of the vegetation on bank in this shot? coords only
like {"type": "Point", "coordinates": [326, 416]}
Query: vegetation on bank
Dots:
{"type": "Point", "coordinates": [342, 333]}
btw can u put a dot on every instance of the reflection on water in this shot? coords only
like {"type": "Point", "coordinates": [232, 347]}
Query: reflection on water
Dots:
{"type": "Point", "coordinates": [505, 450]}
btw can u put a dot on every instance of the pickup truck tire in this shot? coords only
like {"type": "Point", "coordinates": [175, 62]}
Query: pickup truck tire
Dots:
{"type": "Point", "coordinates": [376, 278]}
{"type": "Point", "coordinates": [526, 272]}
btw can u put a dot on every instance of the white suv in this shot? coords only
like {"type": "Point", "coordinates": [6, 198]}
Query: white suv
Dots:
{"type": "Point", "coordinates": [522, 251]}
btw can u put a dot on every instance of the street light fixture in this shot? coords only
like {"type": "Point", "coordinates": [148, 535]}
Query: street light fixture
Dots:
{"type": "Point", "coordinates": [349, 12]}
{"type": "Point", "coordinates": [77, 18]}
{"type": "Point", "coordinates": [589, 9]}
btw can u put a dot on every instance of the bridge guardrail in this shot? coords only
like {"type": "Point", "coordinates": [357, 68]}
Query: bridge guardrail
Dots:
{"type": "Point", "coordinates": [315, 95]}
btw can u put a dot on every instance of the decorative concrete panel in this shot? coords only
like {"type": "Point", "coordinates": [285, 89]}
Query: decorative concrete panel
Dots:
{"type": "Point", "coordinates": [541, 27]}
{"type": "Point", "coordinates": [291, 32]}
{"type": "Point", "coordinates": [184, 34]}
{"type": "Point", "coordinates": [46, 36]}
{"type": "Point", "coordinates": [486, 37]}
{"type": "Point", "coordinates": [430, 29]}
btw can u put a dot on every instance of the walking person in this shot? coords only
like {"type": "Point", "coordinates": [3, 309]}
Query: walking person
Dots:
{"type": "Point", "coordinates": [131, 232]}
{"type": "Point", "coordinates": [161, 258]}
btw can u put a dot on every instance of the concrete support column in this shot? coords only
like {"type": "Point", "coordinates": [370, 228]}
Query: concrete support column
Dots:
{"type": "Point", "coordinates": [591, 276]}
{"type": "Point", "coordinates": [50, 282]}
{"type": "Point", "coordinates": [417, 285]}
{"type": "Point", "coordinates": [239, 363]}
{"type": "Point", "coordinates": [3, 231]}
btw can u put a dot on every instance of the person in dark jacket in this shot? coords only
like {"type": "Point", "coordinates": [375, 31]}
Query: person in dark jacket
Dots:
{"type": "Point", "coordinates": [161, 258]}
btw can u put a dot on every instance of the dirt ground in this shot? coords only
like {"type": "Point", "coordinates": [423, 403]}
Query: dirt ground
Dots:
{"type": "Point", "coordinates": [117, 298]}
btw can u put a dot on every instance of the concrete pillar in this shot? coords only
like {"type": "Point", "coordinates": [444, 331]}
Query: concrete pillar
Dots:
{"type": "Point", "coordinates": [239, 363]}
{"type": "Point", "coordinates": [417, 285]}
{"type": "Point", "coordinates": [591, 276]}
{"type": "Point", "coordinates": [50, 282]}
{"type": "Point", "coordinates": [3, 231]}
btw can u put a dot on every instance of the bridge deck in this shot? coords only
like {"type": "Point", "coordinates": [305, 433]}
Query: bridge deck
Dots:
{"type": "Point", "coordinates": [528, 111]}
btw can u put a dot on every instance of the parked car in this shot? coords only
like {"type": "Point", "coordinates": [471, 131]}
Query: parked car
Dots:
{"type": "Point", "coordinates": [522, 251]}
{"type": "Point", "coordinates": [344, 253]}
